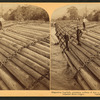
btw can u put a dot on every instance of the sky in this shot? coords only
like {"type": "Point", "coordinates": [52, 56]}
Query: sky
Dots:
{"type": "Point", "coordinates": [58, 12]}
{"type": "Point", "coordinates": [6, 7]}
{"type": "Point", "coordinates": [81, 8]}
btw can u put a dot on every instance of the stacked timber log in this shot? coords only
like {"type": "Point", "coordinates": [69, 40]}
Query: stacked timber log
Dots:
{"type": "Point", "coordinates": [24, 58]}
{"type": "Point", "coordinates": [85, 59]}
{"type": "Point", "coordinates": [8, 23]}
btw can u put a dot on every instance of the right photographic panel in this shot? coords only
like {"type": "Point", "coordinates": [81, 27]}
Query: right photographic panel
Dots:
{"type": "Point", "coordinates": [75, 47]}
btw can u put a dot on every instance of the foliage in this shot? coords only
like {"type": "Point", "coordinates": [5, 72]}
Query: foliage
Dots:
{"type": "Point", "coordinates": [94, 16]}
{"type": "Point", "coordinates": [73, 12]}
{"type": "Point", "coordinates": [64, 18]}
{"type": "Point", "coordinates": [90, 17]}
{"type": "Point", "coordinates": [26, 13]}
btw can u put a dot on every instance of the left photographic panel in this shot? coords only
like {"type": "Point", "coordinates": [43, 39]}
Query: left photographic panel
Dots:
{"type": "Point", "coordinates": [24, 47]}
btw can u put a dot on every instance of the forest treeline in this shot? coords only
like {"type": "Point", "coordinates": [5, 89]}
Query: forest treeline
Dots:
{"type": "Point", "coordinates": [22, 13]}
{"type": "Point", "coordinates": [72, 13]}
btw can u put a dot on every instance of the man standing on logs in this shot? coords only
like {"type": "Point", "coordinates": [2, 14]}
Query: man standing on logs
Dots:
{"type": "Point", "coordinates": [0, 24]}
{"type": "Point", "coordinates": [66, 39]}
{"type": "Point", "coordinates": [79, 34]}
{"type": "Point", "coordinates": [1, 19]}
{"type": "Point", "coordinates": [84, 25]}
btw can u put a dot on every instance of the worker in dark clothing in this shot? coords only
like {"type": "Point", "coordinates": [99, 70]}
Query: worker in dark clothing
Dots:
{"type": "Point", "coordinates": [84, 21]}
{"type": "Point", "coordinates": [79, 34]}
{"type": "Point", "coordinates": [66, 39]}
{"type": "Point", "coordinates": [1, 20]}
{"type": "Point", "coordinates": [0, 25]}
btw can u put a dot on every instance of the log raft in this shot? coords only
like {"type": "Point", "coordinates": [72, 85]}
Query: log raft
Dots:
{"type": "Point", "coordinates": [84, 60]}
{"type": "Point", "coordinates": [24, 57]}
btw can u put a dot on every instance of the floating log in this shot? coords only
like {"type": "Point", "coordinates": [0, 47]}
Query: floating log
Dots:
{"type": "Point", "coordinates": [81, 81]}
{"type": "Point", "coordinates": [93, 48]}
{"type": "Point", "coordinates": [26, 68]}
{"type": "Point", "coordinates": [91, 40]}
{"type": "Point", "coordinates": [27, 32]}
{"type": "Point", "coordinates": [31, 72]}
{"type": "Point", "coordinates": [3, 85]}
{"type": "Point", "coordinates": [39, 86]}
{"type": "Point", "coordinates": [82, 57]}
{"type": "Point", "coordinates": [42, 47]}
{"type": "Point", "coordinates": [44, 43]}
{"type": "Point", "coordinates": [15, 47]}
{"type": "Point", "coordinates": [12, 39]}
{"type": "Point", "coordinates": [33, 64]}
{"type": "Point", "coordinates": [40, 57]}
{"type": "Point", "coordinates": [37, 28]}
{"type": "Point", "coordinates": [28, 65]}
{"type": "Point", "coordinates": [88, 54]}
{"type": "Point", "coordinates": [27, 41]}
{"type": "Point", "coordinates": [39, 51]}
{"type": "Point", "coordinates": [79, 78]}
{"type": "Point", "coordinates": [92, 82]}
{"type": "Point", "coordinates": [78, 55]}
{"type": "Point", "coordinates": [92, 66]}
{"type": "Point", "coordinates": [88, 77]}
{"type": "Point", "coordinates": [93, 35]}
{"type": "Point", "coordinates": [11, 51]}
{"type": "Point", "coordinates": [18, 73]}
{"type": "Point", "coordinates": [31, 47]}
{"type": "Point", "coordinates": [9, 80]}
{"type": "Point", "coordinates": [35, 60]}
{"type": "Point", "coordinates": [17, 37]}
{"type": "Point", "coordinates": [86, 35]}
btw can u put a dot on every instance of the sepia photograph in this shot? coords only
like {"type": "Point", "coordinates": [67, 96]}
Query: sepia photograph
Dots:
{"type": "Point", "coordinates": [24, 47]}
{"type": "Point", "coordinates": [75, 47]}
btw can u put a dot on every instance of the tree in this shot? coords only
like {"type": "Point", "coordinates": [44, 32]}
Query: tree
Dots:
{"type": "Point", "coordinates": [96, 16]}
{"type": "Point", "coordinates": [27, 13]}
{"type": "Point", "coordinates": [64, 17]}
{"type": "Point", "coordinates": [90, 17]}
{"type": "Point", "coordinates": [73, 12]}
